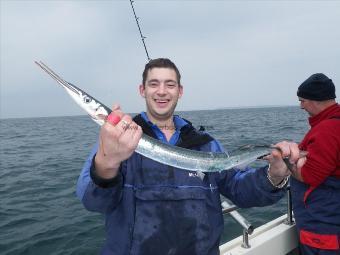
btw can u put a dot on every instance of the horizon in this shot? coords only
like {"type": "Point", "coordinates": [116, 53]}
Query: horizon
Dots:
{"type": "Point", "coordinates": [179, 111]}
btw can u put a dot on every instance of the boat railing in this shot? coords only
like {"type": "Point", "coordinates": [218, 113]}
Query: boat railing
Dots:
{"type": "Point", "coordinates": [289, 221]}
{"type": "Point", "coordinates": [248, 228]}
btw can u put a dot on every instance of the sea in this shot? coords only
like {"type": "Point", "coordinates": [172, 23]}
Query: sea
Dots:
{"type": "Point", "coordinates": [41, 158]}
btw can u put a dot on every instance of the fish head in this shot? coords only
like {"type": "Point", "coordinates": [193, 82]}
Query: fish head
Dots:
{"type": "Point", "coordinates": [96, 110]}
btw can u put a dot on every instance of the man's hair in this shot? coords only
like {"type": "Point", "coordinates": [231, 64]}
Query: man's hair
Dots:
{"type": "Point", "coordinates": [161, 63]}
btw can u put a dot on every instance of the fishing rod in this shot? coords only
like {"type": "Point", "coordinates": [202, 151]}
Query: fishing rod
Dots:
{"type": "Point", "coordinates": [140, 31]}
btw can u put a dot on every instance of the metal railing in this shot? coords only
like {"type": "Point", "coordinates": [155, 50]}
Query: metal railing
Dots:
{"type": "Point", "coordinates": [289, 221]}
{"type": "Point", "coordinates": [248, 228]}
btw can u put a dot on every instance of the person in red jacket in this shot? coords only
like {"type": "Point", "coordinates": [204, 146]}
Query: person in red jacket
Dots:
{"type": "Point", "coordinates": [316, 186]}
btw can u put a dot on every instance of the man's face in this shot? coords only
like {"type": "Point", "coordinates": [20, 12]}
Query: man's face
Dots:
{"type": "Point", "coordinates": [309, 106]}
{"type": "Point", "coordinates": [161, 92]}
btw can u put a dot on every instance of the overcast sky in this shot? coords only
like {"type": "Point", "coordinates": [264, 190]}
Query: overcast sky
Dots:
{"type": "Point", "coordinates": [230, 53]}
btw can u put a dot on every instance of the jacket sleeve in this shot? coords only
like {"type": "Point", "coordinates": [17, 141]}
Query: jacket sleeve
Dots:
{"type": "Point", "coordinates": [248, 187]}
{"type": "Point", "coordinates": [98, 195]}
{"type": "Point", "coordinates": [321, 158]}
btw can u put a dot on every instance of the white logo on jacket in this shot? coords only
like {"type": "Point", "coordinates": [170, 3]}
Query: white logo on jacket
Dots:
{"type": "Point", "coordinates": [197, 174]}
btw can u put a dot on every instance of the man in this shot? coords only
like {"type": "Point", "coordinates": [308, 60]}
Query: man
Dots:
{"type": "Point", "coordinates": [316, 186]}
{"type": "Point", "coordinates": [152, 208]}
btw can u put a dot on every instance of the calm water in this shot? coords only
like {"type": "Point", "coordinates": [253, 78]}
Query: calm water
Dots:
{"type": "Point", "coordinates": [41, 158]}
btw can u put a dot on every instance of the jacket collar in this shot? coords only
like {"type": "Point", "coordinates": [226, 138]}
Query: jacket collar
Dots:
{"type": "Point", "coordinates": [178, 121]}
{"type": "Point", "coordinates": [331, 111]}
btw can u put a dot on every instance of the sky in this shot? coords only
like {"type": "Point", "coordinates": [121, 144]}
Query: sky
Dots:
{"type": "Point", "coordinates": [230, 53]}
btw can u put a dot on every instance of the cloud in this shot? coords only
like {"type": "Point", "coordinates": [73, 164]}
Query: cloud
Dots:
{"type": "Point", "coordinates": [230, 53]}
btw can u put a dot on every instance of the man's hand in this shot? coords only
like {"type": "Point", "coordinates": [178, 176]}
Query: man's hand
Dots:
{"type": "Point", "coordinates": [117, 142]}
{"type": "Point", "coordinates": [278, 168]}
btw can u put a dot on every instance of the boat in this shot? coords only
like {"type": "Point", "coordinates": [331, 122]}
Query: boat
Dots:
{"type": "Point", "coordinates": [277, 237]}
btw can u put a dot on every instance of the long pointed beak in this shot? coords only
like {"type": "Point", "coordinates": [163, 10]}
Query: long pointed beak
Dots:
{"type": "Point", "coordinates": [60, 80]}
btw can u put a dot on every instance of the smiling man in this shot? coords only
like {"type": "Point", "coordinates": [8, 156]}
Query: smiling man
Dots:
{"type": "Point", "coordinates": [161, 90]}
{"type": "Point", "coordinates": [156, 209]}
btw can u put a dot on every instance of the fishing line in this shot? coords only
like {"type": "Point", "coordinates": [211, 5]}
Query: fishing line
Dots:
{"type": "Point", "coordinates": [140, 31]}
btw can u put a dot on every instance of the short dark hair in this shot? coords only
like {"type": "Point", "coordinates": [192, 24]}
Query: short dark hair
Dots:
{"type": "Point", "coordinates": [161, 63]}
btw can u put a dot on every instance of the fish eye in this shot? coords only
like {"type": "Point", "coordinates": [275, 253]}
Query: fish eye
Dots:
{"type": "Point", "coordinates": [87, 99]}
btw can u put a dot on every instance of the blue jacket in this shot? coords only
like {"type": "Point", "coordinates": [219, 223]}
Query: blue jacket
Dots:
{"type": "Point", "coordinates": [152, 208]}
{"type": "Point", "coordinates": [319, 212]}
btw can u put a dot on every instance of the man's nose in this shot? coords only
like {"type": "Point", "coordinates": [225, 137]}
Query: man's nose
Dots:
{"type": "Point", "coordinates": [161, 89]}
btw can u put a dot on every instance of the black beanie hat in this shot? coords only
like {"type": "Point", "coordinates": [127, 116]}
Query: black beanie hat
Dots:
{"type": "Point", "coordinates": [317, 87]}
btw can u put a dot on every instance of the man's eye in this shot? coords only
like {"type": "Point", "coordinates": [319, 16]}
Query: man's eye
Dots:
{"type": "Point", "coordinates": [87, 99]}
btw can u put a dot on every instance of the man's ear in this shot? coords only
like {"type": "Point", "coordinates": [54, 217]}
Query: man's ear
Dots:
{"type": "Point", "coordinates": [142, 90]}
{"type": "Point", "coordinates": [180, 91]}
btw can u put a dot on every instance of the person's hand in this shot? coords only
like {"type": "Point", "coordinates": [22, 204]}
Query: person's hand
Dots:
{"type": "Point", "coordinates": [296, 168]}
{"type": "Point", "coordinates": [289, 152]}
{"type": "Point", "coordinates": [117, 142]}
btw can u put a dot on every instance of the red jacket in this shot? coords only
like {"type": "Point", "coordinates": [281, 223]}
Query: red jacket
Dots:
{"type": "Point", "coordinates": [323, 145]}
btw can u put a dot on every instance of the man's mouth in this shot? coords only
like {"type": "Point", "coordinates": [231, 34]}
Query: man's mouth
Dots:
{"type": "Point", "coordinates": [162, 102]}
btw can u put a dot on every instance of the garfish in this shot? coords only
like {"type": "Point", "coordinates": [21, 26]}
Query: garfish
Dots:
{"type": "Point", "coordinates": [164, 153]}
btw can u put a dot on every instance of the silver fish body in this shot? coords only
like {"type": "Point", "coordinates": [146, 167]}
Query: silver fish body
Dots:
{"type": "Point", "coordinates": [151, 148]}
